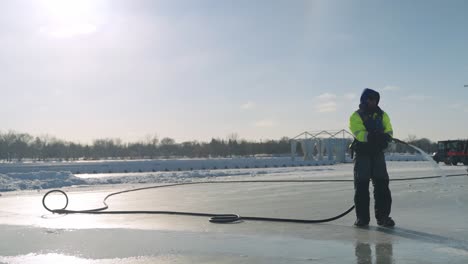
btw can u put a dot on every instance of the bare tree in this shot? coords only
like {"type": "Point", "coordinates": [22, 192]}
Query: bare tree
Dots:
{"type": "Point", "coordinates": [233, 137]}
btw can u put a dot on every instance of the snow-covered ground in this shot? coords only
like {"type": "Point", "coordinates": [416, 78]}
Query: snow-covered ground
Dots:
{"type": "Point", "coordinates": [430, 214]}
{"type": "Point", "coordinates": [46, 175]}
{"type": "Point", "coordinates": [126, 166]}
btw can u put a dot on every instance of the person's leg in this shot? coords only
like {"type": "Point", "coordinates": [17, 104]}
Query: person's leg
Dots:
{"type": "Point", "coordinates": [382, 194]}
{"type": "Point", "coordinates": [362, 172]}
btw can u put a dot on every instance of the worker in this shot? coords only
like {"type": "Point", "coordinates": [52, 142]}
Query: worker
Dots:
{"type": "Point", "coordinates": [373, 131]}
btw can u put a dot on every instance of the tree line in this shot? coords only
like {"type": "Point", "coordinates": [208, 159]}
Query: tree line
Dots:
{"type": "Point", "coordinates": [20, 146]}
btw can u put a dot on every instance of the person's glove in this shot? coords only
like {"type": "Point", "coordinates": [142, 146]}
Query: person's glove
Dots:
{"type": "Point", "coordinates": [379, 139]}
{"type": "Point", "coordinates": [383, 139]}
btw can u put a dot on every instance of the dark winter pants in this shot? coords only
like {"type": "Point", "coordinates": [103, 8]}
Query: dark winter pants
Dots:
{"type": "Point", "coordinates": [371, 167]}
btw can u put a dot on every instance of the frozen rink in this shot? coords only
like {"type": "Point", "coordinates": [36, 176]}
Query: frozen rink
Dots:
{"type": "Point", "coordinates": [431, 217]}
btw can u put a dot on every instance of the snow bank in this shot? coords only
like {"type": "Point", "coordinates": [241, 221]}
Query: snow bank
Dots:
{"type": "Point", "coordinates": [403, 157]}
{"type": "Point", "coordinates": [38, 180]}
{"type": "Point", "coordinates": [32, 176]}
{"type": "Point", "coordinates": [52, 179]}
{"type": "Point", "coordinates": [128, 166]}
{"type": "Point", "coordinates": [168, 177]}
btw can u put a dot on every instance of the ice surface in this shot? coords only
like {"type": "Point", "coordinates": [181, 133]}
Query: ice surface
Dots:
{"type": "Point", "coordinates": [431, 227]}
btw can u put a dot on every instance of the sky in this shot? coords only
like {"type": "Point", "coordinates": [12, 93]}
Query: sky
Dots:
{"type": "Point", "coordinates": [262, 69]}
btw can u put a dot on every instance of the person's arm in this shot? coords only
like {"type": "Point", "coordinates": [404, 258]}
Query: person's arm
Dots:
{"type": "Point", "coordinates": [357, 127]}
{"type": "Point", "coordinates": [388, 129]}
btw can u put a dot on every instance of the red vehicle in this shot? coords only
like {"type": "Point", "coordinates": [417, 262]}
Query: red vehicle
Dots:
{"type": "Point", "coordinates": [452, 152]}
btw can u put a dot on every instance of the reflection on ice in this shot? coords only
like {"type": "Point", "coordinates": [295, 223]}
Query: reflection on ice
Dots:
{"type": "Point", "coordinates": [383, 253]}
{"type": "Point", "coordinates": [46, 258]}
{"type": "Point", "coordinates": [54, 258]}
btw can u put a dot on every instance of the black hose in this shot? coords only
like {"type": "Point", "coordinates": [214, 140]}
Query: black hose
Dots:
{"type": "Point", "coordinates": [215, 218]}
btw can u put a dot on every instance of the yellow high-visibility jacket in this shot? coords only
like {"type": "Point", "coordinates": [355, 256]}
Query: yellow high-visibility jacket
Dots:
{"type": "Point", "coordinates": [359, 130]}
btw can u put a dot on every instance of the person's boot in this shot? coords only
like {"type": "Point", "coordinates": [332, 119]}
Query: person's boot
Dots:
{"type": "Point", "coordinates": [361, 223]}
{"type": "Point", "coordinates": [386, 222]}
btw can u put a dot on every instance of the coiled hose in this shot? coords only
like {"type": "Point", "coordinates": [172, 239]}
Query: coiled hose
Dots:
{"type": "Point", "coordinates": [214, 218]}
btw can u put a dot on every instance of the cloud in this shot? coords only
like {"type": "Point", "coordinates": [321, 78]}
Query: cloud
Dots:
{"type": "Point", "coordinates": [248, 105]}
{"type": "Point", "coordinates": [265, 123]}
{"type": "Point", "coordinates": [326, 107]}
{"type": "Point", "coordinates": [459, 107]}
{"type": "Point", "coordinates": [456, 106]}
{"type": "Point", "coordinates": [417, 97]}
{"type": "Point", "coordinates": [325, 103]}
{"type": "Point", "coordinates": [326, 96]}
{"type": "Point", "coordinates": [391, 88]}
{"type": "Point", "coordinates": [350, 96]}
{"type": "Point", "coordinates": [68, 31]}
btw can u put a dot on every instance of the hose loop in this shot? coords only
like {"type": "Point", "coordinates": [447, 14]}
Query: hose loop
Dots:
{"type": "Point", "coordinates": [59, 211]}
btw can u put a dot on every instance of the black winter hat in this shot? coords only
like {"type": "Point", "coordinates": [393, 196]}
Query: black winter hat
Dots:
{"type": "Point", "coordinates": [369, 93]}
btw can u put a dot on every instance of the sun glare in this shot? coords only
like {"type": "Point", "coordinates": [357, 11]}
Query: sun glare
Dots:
{"type": "Point", "coordinates": [68, 18]}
